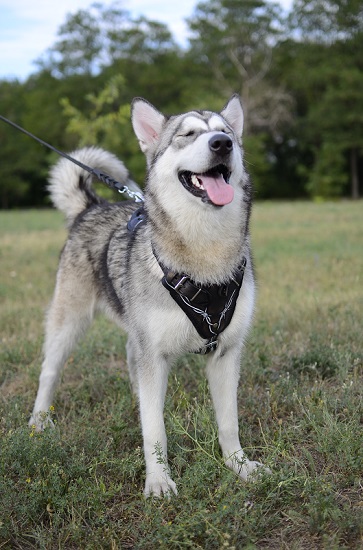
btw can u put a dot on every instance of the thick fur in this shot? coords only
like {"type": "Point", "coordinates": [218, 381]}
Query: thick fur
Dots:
{"type": "Point", "coordinates": [104, 267]}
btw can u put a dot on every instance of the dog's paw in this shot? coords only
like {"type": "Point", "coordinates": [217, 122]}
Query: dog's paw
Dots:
{"type": "Point", "coordinates": [251, 470]}
{"type": "Point", "coordinates": [41, 420]}
{"type": "Point", "coordinates": [159, 486]}
{"type": "Point", "coordinates": [248, 470]}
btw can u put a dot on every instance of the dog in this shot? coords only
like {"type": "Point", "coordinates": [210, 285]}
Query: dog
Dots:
{"type": "Point", "coordinates": [176, 274]}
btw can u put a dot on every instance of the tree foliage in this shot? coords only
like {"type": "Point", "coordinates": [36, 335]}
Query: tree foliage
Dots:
{"type": "Point", "coordinates": [300, 76]}
{"type": "Point", "coordinates": [326, 71]}
{"type": "Point", "coordinates": [235, 40]}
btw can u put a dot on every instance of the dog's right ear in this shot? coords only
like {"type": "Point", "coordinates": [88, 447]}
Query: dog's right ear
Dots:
{"type": "Point", "coordinates": [147, 123]}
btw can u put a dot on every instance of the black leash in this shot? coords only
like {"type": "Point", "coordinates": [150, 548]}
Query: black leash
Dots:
{"type": "Point", "coordinates": [104, 178]}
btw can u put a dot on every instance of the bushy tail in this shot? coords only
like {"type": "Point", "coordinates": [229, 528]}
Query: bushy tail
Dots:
{"type": "Point", "coordinates": [70, 186]}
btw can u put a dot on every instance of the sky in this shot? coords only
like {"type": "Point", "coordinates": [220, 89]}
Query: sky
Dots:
{"type": "Point", "coordinates": [29, 28]}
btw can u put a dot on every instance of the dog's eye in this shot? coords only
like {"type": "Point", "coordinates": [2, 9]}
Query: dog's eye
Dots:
{"type": "Point", "coordinates": [183, 135]}
{"type": "Point", "coordinates": [190, 133]}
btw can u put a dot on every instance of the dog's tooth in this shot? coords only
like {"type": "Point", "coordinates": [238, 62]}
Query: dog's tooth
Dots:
{"type": "Point", "coordinates": [195, 181]}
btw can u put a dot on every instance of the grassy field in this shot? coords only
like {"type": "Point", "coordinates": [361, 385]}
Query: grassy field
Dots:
{"type": "Point", "coordinates": [300, 405]}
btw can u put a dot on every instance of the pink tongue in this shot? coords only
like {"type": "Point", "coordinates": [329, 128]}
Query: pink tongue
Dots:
{"type": "Point", "coordinates": [218, 191]}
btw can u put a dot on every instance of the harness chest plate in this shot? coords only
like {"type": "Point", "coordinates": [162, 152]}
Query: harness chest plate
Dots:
{"type": "Point", "coordinates": [209, 307]}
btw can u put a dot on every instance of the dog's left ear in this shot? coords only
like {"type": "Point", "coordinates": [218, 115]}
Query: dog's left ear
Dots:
{"type": "Point", "coordinates": [233, 114]}
{"type": "Point", "coordinates": [147, 123]}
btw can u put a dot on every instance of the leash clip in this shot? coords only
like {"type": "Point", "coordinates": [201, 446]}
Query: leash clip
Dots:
{"type": "Point", "coordinates": [135, 195]}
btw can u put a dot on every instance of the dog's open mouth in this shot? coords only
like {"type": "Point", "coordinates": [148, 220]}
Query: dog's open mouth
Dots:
{"type": "Point", "coordinates": [212, 186]}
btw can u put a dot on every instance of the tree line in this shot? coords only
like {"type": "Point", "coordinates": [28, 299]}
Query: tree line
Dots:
{"type": "Point", "coordinates": [299, 75]}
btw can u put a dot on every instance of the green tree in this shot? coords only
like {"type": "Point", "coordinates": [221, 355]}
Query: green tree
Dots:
{"type": "Point", "coordinates": [35, 105]}
{"type": "Point", "coordinates": [325, 71]}
{"type": "Point", "coordinates": [236, 40]}
{"type": "Point", "coordinates": [326, 22]}
{"type": "Point", "coordinates": [14, 184]}
{"type": "Point", "coordinates": [301, 86]}
{"type": "Point", "coordinates": [85, 41]}
{"type": "Point", "coordinates": [105, 124]}
{"type": "Point", "coordinates": [93, 39]}
{"type": "Point", "coordinates": [141, 40]}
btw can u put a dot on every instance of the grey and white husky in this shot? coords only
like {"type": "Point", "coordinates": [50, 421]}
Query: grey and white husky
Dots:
{"type": "Point", "coordinates": [177, 275]}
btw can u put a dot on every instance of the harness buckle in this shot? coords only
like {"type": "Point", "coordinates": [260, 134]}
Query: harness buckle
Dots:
{"type": "Point", "coordinates": [137, 218]}
{"type": "Point", "coordinates": [212, 345]}
{"type": "Point", "coordinates": [180, 282]}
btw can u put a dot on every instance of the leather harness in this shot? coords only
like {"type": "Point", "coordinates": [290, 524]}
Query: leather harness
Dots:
{"type": "Point", "coordinates": [209, 307]}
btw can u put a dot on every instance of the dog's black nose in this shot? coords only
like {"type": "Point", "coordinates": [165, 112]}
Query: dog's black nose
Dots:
{"type": "Point", "coordinates": [220, 144]}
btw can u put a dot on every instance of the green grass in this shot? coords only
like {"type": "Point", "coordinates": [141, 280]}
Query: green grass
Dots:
{"type": "Point", "coordinates": [300, 405]}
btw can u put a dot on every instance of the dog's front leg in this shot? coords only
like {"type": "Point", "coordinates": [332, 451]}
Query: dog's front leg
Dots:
{"type": "Point", "coordinates": [223, 375]}
{"type": "Point", "coordinates": [152, 384]}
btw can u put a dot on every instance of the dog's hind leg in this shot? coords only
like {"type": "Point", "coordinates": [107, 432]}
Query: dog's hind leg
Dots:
{"type": "Point", "coordinates": [69, 315]}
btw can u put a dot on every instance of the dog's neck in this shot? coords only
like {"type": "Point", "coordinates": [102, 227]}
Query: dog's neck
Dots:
{"type": "Point", "coordinates": [205, 243]}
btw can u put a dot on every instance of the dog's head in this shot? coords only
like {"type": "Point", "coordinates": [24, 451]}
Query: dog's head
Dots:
{"type": "Point", "coordinates": [199, 151]}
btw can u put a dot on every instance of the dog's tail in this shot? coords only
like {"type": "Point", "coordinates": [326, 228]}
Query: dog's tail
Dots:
{"type": "Point", "coordinates": [70, 186]}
